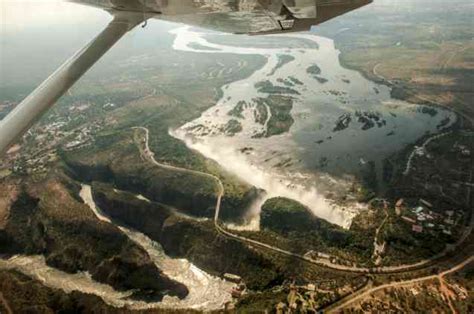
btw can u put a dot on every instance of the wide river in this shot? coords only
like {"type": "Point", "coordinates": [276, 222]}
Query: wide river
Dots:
{"type": "Point", "coordinates": [342, 121]}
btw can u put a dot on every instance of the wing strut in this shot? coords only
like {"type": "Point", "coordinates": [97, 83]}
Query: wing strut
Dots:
{"type": "Point", "coordinates": [15, 124]}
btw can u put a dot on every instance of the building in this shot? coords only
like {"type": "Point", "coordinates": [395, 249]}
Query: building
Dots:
{"type": "Point", "coordinates": [323, 255]}
{"type": "Point", "coordinates": [409, 219]}
{"type": "Point", "coordinates": [232, 278]}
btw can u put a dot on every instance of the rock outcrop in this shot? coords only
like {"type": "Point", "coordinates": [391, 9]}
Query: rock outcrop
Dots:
{"type": "Point", "coordinates": [55, 224]}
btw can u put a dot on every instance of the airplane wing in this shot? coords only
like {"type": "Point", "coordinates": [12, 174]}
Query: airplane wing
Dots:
{"type": "Point", "coordinates": [238, 16]}
{"type": "Point", "coordinates": [234, 16]}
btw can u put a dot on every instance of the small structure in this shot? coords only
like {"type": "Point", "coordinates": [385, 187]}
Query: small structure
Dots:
{"type": "Point", "coordinates": [398, 207]}
{"type": "Point", "coordinates": [449, 221]}
{"type": "Point", "coordinates": [324, 255]}
{"type": "Point", "coordinates": [421, 217]}
{"type": "Point", "coordinates": [418, 210]}
{"type": "Point", "coordinates": [414, 291]}
{"type": "Point", "coordinates": [426, 203]}
{"type": "Point", "coordinates": [465, 152]}
{"type": "Point", "coordinates": [409, 219]}
{"type": "Point", "coordinates": [417, 228]}
{"type": "Point", "coordinates": [232, 278]}
{"type": "Point", "coordinates": [311, 287]}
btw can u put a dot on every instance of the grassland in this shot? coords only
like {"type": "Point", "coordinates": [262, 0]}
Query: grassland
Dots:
{"type": "Point", "coordinates": [423, 49]}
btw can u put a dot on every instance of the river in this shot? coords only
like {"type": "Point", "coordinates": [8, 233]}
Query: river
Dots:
{"type": "Point", "coordinates": [342, 121]}
{"type": "Point", "coordinates": [206, 292]}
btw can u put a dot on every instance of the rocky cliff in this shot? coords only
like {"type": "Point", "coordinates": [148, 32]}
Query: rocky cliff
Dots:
{"type": "Point", "coordinates": [49, 221]}
{"type": "Point", "coordinates": [197, 241]}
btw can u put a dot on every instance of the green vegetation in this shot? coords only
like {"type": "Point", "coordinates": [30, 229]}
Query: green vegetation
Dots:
{"type": "Point", "coordinates": [72, 239]}
{"type": "Point", "coordinates": [261, 302]}
{"type": "Point", "coordinates": [25, 294]}
{"type": "Point", "coordinates": [407, 246]}
{"type": "Point", "coordinates": [261, 112]}
{"type": "Point", "coordinates": [282, 60]}
{"type": "Point", "coordinates": [303, 231]}
{"type": "Point", "coordinates": [281, 119]}
{"type": "Point", "coordinates": [283, 215]}
{"type": "Point", "coordinates": [314, 69]}
{"type": "Point", "coordinates": [237, 110]}
{"type": "Point", "coordinates": [280, 110]}
{"type": "Point", "coordinates": [197, 241]}
{"type": "Point", "coordinates": [295, 80]}
{"type": "Point", "coordinates": [117, 160]}
{"type": "Point", "coordinates": [267, 87]}
{"type": "Point", "coordinates": [232, 127]}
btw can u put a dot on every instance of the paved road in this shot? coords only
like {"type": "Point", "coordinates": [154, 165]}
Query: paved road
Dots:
{"type": "Point", "coordinates": [365, 292]}
{"type": "Point", "coordinates": [425, 143]}
{"type": "Point", "coordinates": [379, 248]}
{"type": "Point", "coordinates": [148, 155]}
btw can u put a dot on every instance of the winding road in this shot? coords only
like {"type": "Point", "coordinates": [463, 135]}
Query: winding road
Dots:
{"type": "Point", "coordinates": [147, 154]}
{"type": "Point", "coordinates": [367, 291]}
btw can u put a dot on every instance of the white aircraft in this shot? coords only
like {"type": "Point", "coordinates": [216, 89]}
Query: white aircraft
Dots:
{"type": "Point", "coordinates": [234, 16]}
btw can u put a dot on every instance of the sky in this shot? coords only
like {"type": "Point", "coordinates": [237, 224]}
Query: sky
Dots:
{"type": "Point", "coordinates": [18, 15]}
{"type": "Point", "coordinates": [36, 36]}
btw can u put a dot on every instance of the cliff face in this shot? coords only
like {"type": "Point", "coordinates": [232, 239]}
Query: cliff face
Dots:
{"type": "Point", "coordinates": [234, 207]}
{"type": "Point", "coordinates": [286, 216]}
{"type": "Point", "coordinates": [192, 195]}
{"type": "Point", "coordinates": [116, 160]}
{"type": "Point", "coordinates": [197, 241]}
{"type": "Point", "coordinates": [72, 239]}
{"type": "Point", "coordinates": [22, 294]}
{"type": "Point", "coordinates": [126, 208]}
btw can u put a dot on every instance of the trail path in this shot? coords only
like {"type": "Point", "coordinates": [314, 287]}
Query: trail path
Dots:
{"type": "Point", "coordinates": [147, 154]}
{"type": "Point", "coordinates": [365, 292]}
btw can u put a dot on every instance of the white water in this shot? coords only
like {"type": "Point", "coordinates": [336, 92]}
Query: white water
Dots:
{"type": "Point", "coordinates": [315, 111]}
{"type": "Point", "coordinates": [217, 147]}
{"type": "Point", "coordinates": [36, 268]}
{"type": "Point", "coordinates": [206, 292]}
{"type": "Point", "coordinates": [275, 185]}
